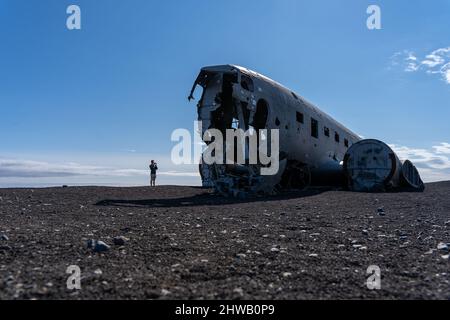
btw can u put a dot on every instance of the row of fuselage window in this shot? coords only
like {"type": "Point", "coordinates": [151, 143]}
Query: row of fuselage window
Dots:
{"type": "Point", "coordinates": [315, 129]}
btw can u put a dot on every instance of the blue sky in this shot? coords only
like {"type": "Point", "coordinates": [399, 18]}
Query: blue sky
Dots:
{"type": "Point", "coordinates": [92, 106]}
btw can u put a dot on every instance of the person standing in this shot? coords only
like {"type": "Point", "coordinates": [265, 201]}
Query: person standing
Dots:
{"type": "Point", "coordinates": [153, 167]}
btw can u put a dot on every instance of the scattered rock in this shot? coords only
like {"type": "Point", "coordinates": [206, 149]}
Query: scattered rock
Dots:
{"type": "Point", "coordinates": [274, 249]}
{"type": "Point", "coordinates": [287, 274]}
{"type": "Point", "coordinates": [381, 212]}
{"type": "Point", "coordinates": [365, 232]}
{"type": "Point", "coordinates": [443, 247]}
{"type": "Point", "coordinates": [98, 272]}
{"type": "Point", "coordinates": [313, 255]}
{"type": "Point", "coordinates": [239, 291]}
{"type": "Point", "coordinates": [120, 241]}
{"type": "Point", "coordinates": [97, 246]}
{"type": "Point", "coordinates": [165, 292]}
{"type": "Point", "coordinates": [4, 237]}
{"type": "Point", "coordinates": [5, 248]}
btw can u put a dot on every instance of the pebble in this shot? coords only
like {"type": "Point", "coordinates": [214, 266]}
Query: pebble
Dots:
{"type": "Point", "coordinates": [239, 291]}
{"type": "Point", "coordinates": [241, 255]}
{"type": "Point", "coordinates": [275, 250]}
{"type": "Point", "coordinates": [365, 232]}
{"type": "Point", "coordinates": [4, 237]}
{"type": "Point", "coordinates": [97, 246]}
{"type": "Point", "coordinates": [287, 274]}
{"type": "Point", "coordinates": [98, 272]}
{"type": "Point", "coordinates": [442, 246]}
{"type": "Point", "coordinates": [120, 241]}
{"type": "Point", "coordinates": [313, 255]}
{"type": "Point", "coordinates": [165, 292]}
{"type": "Point", "coordinates": [5, 248]}
{"type": "Point", "coordinates": [381, 212]}
{"type": "Point", "coordinates": [447, 223]}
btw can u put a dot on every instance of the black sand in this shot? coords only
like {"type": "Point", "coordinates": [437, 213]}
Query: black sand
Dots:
{"type": "Point", "coordinates": [185, 243]}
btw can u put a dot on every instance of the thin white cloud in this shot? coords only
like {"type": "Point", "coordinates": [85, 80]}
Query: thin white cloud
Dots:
{"type": "Point", "coordinates": [14, 168]}
{"type": "Point", "coordinates": [435, 62]}
{"type": "Point", "coordinates": [444, 148]}
{"type": "Point", "coordinates": [433, 164]}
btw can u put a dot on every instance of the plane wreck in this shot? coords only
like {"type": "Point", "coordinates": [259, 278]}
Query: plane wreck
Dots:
{"type": "Point", "coordinates": [311, 147]}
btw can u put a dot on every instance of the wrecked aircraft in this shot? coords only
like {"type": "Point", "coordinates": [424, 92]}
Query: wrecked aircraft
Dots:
{"type": "Point", "coordinates": [314, 149]}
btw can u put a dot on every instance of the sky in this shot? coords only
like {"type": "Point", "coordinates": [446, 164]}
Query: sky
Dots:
{"type": "Point", "coordinates": [93, 106]}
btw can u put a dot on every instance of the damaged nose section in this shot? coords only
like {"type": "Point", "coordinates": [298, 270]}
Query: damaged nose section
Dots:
{"type": "Point", "coordinates": [229, 103]}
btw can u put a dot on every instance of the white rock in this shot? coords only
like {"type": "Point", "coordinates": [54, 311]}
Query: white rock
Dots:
{"type": "Point", "coordinates": [442, 246]}
{"type": "Point", "coordinates": [165, 292]}
{"type": "Point", "coordinates": [98, 272]}
{"type": "Point", "coordinates": [239, 291]}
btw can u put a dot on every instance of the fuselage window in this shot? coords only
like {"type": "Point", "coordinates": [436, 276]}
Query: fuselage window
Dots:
{"type": "Point", "coordinates": [336, 137]}
{"type": "Point", "coordinates": [346, 143]}
{"type": "Point", "coordinates": [314, 128]}
{"type": "Point", "coordinates": [300, 117]}
{"type": "Point", "coordinates": [294, 95]}
{"type": "Point", "coordinates": [326, 131]}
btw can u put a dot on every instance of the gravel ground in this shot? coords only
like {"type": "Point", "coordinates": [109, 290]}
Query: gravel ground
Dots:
{"type": "Point", "coordinates": [186, 243]}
